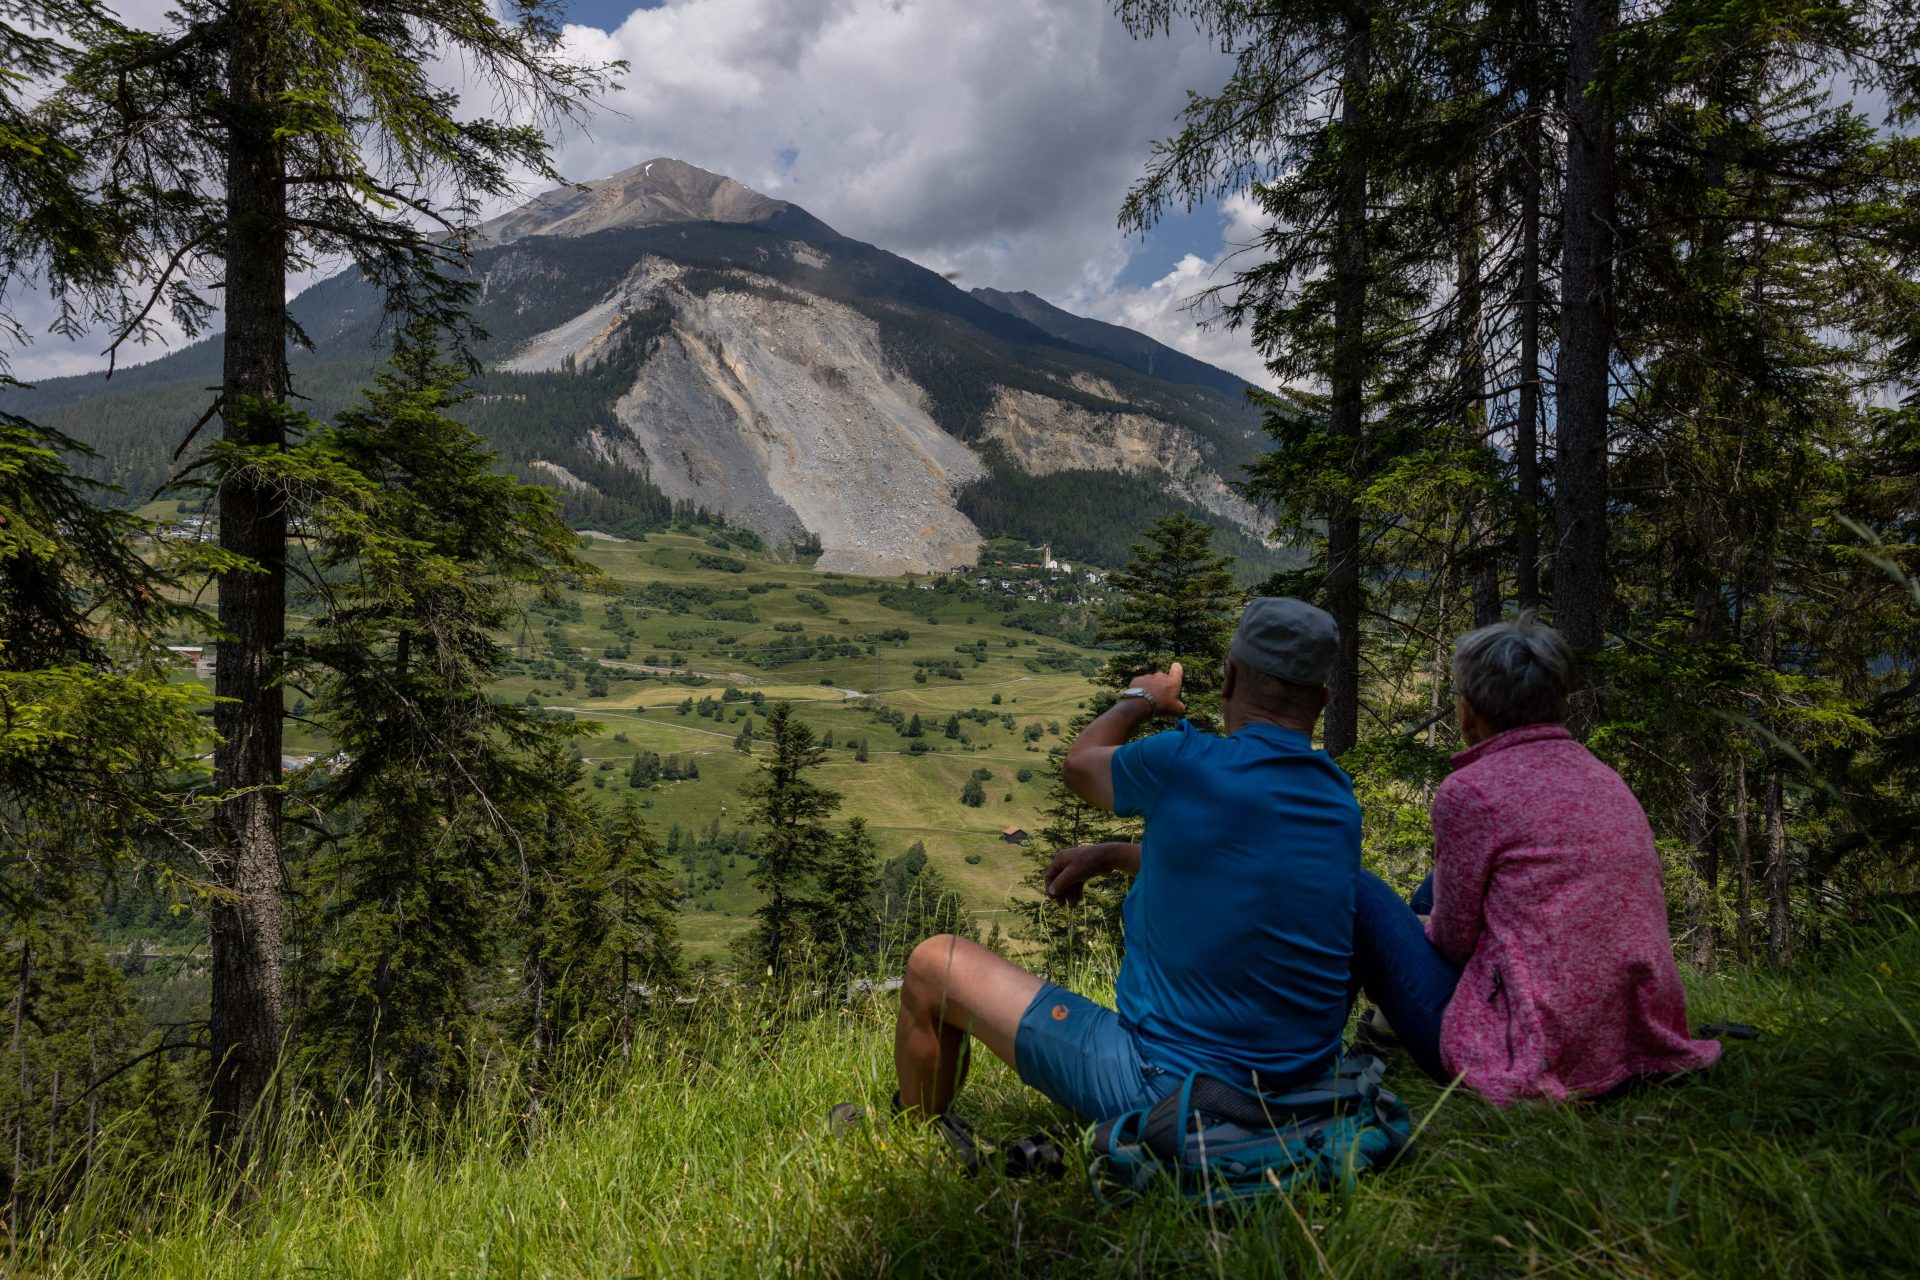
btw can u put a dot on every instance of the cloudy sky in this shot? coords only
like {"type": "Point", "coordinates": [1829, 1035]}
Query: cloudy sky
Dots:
{"type": "Point", "coordinates": [990, 138]}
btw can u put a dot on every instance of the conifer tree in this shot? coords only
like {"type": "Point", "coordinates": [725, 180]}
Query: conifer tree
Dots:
{"type": "Point", "coordinates": [1176, 602]}
{"type": "Point", "coordinates": [246, 141]}
{"type": "Point", "coordinates": [916, 903]}
{"type": "Point", "coordinates": [846, 919]}
{"type": "Point", "coordinates": [788, 811]}
{"type": "Point", "coordinates": [418, 554]}
{"type": "Point", "coordinates": [617, 928]}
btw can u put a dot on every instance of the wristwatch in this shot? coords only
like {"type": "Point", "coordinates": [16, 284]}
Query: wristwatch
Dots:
{"type": "Point", "coordinates": [1152, 706]}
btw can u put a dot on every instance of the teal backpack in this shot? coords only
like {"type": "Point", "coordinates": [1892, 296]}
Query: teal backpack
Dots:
{"type": "Point", "coordinates": [1222, 1141]}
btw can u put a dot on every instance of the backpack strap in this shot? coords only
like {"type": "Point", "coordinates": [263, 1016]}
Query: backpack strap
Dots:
{"type": "Point", "coordinates": [1209, 1098]}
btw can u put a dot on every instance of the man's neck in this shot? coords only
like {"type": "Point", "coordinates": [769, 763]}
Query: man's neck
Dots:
{"type": "Point", "coordinates": [1239, 718]}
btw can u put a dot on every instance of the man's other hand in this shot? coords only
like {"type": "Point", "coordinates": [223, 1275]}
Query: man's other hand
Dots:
{"type": "Point", "coordinates": [1070, 870]}
{"type": "Point", "coordinates": [1164, 688]}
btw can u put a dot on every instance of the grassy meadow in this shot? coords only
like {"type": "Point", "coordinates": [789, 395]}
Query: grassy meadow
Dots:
{"type": "Point", "coordinates": [706, 1155]}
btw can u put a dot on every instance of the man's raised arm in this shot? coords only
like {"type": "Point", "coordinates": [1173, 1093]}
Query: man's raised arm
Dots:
{"type": "Point", "coordinates": [1088, 768]}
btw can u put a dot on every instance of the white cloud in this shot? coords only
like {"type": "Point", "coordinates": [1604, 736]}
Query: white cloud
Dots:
{"type": "Point", "coordinates": [994, 139]}
{"type": "Point", "coordinates": [1182, 307]}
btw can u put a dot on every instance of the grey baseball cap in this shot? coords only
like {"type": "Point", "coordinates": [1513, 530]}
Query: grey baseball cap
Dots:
{"type": "Point", "coordinates": [1288, 639]}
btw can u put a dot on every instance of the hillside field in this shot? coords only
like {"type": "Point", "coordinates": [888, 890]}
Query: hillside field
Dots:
{"type": "Point", "coordinates": [666, 626]}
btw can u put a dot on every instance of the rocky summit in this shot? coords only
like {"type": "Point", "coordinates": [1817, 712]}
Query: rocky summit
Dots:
{"type": "Point", "coordinates": [661, 190]}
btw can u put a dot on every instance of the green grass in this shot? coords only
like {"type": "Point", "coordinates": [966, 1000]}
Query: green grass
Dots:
{"type": "Point", "coordinates": [705, 1155]}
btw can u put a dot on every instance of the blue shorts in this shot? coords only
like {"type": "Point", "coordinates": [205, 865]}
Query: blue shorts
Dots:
{"type": "Point", "coordinates": [1078, 1054]}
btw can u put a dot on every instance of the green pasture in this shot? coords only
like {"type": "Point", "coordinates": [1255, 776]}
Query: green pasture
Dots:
{"type": "Point", "coordinates": [673, 653]}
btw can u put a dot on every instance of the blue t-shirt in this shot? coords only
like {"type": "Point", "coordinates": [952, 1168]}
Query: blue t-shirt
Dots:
{"type": "Point", "coordinates": [1240, 925]}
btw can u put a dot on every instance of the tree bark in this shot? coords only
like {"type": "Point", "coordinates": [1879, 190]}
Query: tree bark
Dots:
{"type": "Point", "coordinates": [1586, 338]}
{"type": "Point", "coordinates": [1483, 564]}
{"type": "Point", "coordinates": [1348, 381]}
{"type": "Point", "coordinates": [1706, 810]}
{"type": "Point", "coordinates": [1704, 821]}
{"type": "Point", "coordinates": [1743, 852]}
{"type": "Point", "coordinates": [1779, 936]}
{"type": "Point", "coordinates": [247, 1018]}
{"type": "Point", "coordinates": [1526, 440]}
{"type": "Point", "coordinates": [20, 1099]}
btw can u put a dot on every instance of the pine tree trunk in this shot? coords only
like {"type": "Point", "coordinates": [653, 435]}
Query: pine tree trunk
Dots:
{"type": "Point", "coordinates": [1706, 807]}
{"type": "Point", "coordinates": [1704, 821]}
{"type": "Point", "coordinates": [1442, 619]}
{"type": "Point", "coordinates": [1348, 375]}
{"type": "Point", "coordinates": [245, 922]}
{"type": "Point", "coordinates": [1743, 851]}
{"type": "Point", "coordinates": [1779, 937]}
{"type": "Point", "coordinates": [20, 1096]}
{"type": "Point", "coordinates": [1483, 565]}
{"type": "Point", "coordinates": [1586, 338]}
{"type": "Point", "coordinates": [1526, 440]}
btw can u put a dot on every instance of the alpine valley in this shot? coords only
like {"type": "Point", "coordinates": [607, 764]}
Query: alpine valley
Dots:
{"type": "Point", "coordinates": [666, 340]}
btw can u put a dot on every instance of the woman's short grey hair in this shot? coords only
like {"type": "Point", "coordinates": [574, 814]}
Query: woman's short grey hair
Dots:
{"type": "Point", "coordinates": [1514, 673]}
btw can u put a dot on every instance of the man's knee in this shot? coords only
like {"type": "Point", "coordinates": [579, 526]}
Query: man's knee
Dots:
{"type": "Point", "coordinates": [932, 959]}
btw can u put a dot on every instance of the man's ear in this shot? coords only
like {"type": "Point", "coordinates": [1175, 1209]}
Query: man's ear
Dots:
{"type": "Point", "coordinates": [1230, 680]}
{"type": "Point", "coordinates": [1326, 696]}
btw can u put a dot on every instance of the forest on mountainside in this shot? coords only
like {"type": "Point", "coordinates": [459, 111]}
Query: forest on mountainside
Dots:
{"type": "Point", "coordinates": [1607, 312]}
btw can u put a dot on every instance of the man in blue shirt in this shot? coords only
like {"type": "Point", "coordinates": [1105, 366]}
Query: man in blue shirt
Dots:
{"type": "Point", "coordinates": [1239, 923]}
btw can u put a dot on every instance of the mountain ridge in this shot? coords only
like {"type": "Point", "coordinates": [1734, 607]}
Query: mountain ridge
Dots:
{"type": "Point", "coordinates": [1115, 342]}
{"type": "Point", "coordinates": [667, 339]}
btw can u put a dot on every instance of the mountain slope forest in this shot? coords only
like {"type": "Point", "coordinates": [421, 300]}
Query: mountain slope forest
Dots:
{"type": "Point", "coordinates": [464, 795]}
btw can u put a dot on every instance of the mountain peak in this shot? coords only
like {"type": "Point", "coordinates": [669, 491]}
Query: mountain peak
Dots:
{"type": "Point", "coordinates": [661, 190]}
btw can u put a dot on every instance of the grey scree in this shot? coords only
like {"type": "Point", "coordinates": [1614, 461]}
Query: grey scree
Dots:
{"type": "Point", "coordinates": [1288, 639]}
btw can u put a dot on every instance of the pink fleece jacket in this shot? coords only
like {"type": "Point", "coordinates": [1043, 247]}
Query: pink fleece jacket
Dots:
{"type": "Point", "coordinates": [1548, 890]}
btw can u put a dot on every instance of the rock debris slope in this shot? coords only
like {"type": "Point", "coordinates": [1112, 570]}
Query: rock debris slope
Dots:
{"type": "Point", "coordinates": [783, 415]}
{"type": "Point", "coordinates": [784, 409]}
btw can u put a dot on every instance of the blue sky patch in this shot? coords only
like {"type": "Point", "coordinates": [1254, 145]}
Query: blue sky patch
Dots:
{"type": "Point", "coordinates": [606, 14]}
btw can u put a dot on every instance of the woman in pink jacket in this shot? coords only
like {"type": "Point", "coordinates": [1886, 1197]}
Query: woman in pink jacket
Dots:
{"type": "Point", "coordinates": [1545, 969]}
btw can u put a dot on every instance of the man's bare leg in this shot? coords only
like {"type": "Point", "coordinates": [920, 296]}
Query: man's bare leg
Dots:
{"type": "Point", "coordinates": [953, 987]}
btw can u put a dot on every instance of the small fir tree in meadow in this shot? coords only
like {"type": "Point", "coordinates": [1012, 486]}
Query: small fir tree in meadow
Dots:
{"type": "Point", "coordinates": [555, 843]}
{"type": "Point", "coordinates": [1176, 602]}
{"type": "Point", "coordinates": [915, 904]}
{"type": "Point", "coordinates": [846, 921]}
{"type": "Point", "coordinates": [428, 553]}
{"type": "Point", "coordinates": [617, 928]}
{"type": "Point", "coordinates": [788, 811]}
